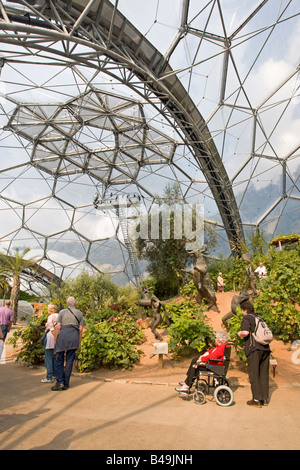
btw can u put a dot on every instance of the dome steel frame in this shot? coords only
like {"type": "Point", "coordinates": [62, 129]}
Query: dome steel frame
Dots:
{"type": "Point", "coordinates": [95, 36]}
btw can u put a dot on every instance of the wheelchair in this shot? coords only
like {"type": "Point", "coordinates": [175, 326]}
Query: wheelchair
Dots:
{"type": "Point", "coordinates": [211, 380]}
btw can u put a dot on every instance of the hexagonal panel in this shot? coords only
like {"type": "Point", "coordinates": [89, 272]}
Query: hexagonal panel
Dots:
{"type": "Point", "coordinates": [215, 111]}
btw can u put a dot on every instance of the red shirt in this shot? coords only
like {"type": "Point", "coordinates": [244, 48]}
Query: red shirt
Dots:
{"type": "Point", "coordinates": [215, 353]}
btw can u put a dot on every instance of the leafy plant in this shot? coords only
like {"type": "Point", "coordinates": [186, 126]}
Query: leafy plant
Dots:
{"type": "Point", "coordinates": [166, 257]}
{"type": "Point", "coordinates": [12, 264]}
{"type": "Point", "coordinates": [234, 326]}
{"type": "Point", "coordinates": [278, 300]}
{"type": "Point", "coordinates": [189, 328]}
{"type": "Point", "coordinates": [279, 295]}
{"type": "Point", "coordinates": [257, 243]}
{"type": "Point", "coordinates": [110, 343]}
{"type": "Point", "coordinates": [214, 266]}
{"type": "Point", "coordinates": [93, 292]}
{"type": "Point", "coordinates": [285, 239]}
{"type": "Point", "coordinates": [109, 339]}
{"type": "Point", "coordinates": [32, 351]}
{"type": "Point", "coordinates": [236, 275]}
{"type": "Point", "coordinates": [188, 290]}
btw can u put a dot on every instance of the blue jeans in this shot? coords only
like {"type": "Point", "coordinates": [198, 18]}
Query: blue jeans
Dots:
{"type": "Point", "coordinates": [63, 371]}
{"type": "Point", "coordinates": [4, 329]}
{"type": "Point", "coordinates": [49, 363]}
{"type": "Point", "coordinates": [1, 347]}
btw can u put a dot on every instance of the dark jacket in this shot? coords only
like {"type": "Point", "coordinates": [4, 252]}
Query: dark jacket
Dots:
{"type": "Point", "coordinates": [248, 324]}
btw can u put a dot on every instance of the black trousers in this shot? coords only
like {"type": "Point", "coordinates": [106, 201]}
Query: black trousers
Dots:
{"type": "Point", "coordinates": [258, 369]}
{"type": "Point", "coordinates": [191, 372]}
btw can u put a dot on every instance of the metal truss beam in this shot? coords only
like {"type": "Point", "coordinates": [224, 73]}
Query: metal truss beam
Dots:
{"type": "Point", "coordinates": [108, 34]}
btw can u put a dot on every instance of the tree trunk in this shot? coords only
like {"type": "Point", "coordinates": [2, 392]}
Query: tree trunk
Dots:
{"type": "Point", "coordinates": [14, 297]}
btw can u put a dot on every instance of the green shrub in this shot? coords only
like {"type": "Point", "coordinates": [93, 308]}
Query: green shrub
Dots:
{"type": "Point", "coordinates": [189, 328]}
{"type": "Point", "coordinates": [110, 343]}
{"type": "Point", "coordinates": [32, 351]}
{"type": "Point", "coordinates": [188, 290]}
{"type": "Point", "coordinates": [110, 340]}
{"type": "Point", "coordinates": [277, 300]}
{"type": "Point", "coordinates": [279, 294]}
{"type": "Point", "coordinates": [92, 292]}
{"type": "Point", "coordinates": [234, 326]}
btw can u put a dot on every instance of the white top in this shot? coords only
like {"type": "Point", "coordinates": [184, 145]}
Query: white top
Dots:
{"type": "Point", "coordinates": [261, 270]}
{"type": "Point", "coordinates": [51, 322]}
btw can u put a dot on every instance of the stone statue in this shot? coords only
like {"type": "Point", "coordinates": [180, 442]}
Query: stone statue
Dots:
{"type": "Point", "coordinates": [235, 302]}
{"type": "Point", "coordinates": [156, 308]}
{"type": "Point", "coordinates": [145, 301]}
{"type": "Point", "coordinates": [250, 275]}
{"type": "Point", "coordinates": [156, 311]}
{"type": "Point", "coordinates": [205, 290]}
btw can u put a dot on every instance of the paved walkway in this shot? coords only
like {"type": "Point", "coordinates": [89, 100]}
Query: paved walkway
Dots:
{"type": "Point", "coordinates": [131, 415]}
{"type": "Point", "coordinates": [96, 415]}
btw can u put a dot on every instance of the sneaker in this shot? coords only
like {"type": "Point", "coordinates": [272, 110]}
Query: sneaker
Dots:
{"type": "Point", "coordinates": [66, 387]}
{"type": "Point", "coordinates": [58, 387]}
{"type": "Point", "coordinates": [264, 402]}
{"type": "Point", "coordinates": [254, 403]}
{"type": "Point", "coordinates": [183, 389]}
{"type": "Point", "coordinates": [47, 381]}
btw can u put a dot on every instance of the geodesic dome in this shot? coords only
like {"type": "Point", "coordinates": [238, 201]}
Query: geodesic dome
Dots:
{"type": "Point", "coordinates": [101, 100]}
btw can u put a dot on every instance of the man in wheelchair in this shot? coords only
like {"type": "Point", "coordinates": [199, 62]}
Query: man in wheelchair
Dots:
{"type": "Point", "coordinates": [209, 365]}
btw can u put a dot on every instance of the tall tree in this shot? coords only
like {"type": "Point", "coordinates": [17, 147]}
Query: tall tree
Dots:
{"type": "Point", "coordinates": [13, 265]}
{"type": "Point", "coordinates": [4, 280]}
{"type": "Point", "coordinates": [167, 256]}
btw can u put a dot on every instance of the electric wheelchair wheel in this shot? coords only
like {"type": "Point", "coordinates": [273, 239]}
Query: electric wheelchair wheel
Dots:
{"type": "Point", "coordinates": [199, 397]}
{"type": "Point", "coordinates": [223, 395]}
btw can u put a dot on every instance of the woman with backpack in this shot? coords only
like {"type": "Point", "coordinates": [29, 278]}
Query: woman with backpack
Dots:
{"type": "Point", "coordinates": [258, 355]}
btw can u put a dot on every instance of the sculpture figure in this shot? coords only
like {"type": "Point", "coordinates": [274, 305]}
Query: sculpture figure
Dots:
{"type": "Point", "coordinates": [156, 308]}
{"type": "Point", "coordinates": [205, 290]}
{"type": "Point", "coordinates": [156, 311]}
{"type": "Point", "coordinates": [235, 302]}
{"type": "Point", "coordinates": [250, 275]}
{"type": "Point", "coordinates": [145, 301]}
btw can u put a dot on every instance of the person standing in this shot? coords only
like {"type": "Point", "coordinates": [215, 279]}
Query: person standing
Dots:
{"type": "Point", "coordinates": [220, 283]}
{"type": "Point", "coordinates": [49, 345]}
{"type": "Point", "coordinates": [67, 334]}
{"type": "Point", "coordinates": [6, 318]}
{"type": "Point", "coordinates": [261, 271]}
{"type": "Point", "coordinates": [1, 343]}
{"type": "Point", "coordinates": [258, 357]}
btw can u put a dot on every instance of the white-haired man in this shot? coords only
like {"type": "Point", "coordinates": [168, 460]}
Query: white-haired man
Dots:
{"type": "Point", "coordinates": [67, 334]}
{"type": "Point", "coordinates": [214, 353]}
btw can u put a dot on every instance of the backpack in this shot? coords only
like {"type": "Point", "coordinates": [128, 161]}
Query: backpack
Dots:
{"type": "Point", "coordinates": [262, 333]}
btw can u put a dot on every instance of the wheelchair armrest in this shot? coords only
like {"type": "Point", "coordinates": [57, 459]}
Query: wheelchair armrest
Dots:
{"type": "Point", "coordinates": [216, 360]}
{"type": "Point", "coordinates": [200, 364]}
{"type": "Point", "coordinates": [206, 364]}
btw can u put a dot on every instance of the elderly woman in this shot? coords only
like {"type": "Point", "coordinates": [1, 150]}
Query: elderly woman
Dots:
{"type": "Point", "coordinates": [215, 353]}
{"type": "Point", "coordinates": [49, 344]}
